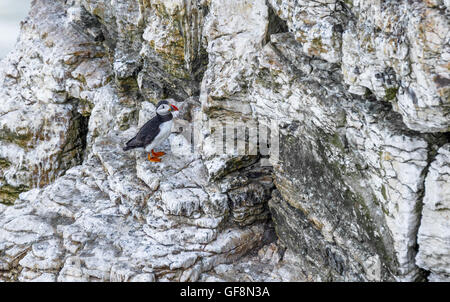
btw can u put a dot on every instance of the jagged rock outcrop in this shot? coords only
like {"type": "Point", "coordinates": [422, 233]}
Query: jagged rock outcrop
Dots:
{"type": "Point", "coordinates": [356, 93]}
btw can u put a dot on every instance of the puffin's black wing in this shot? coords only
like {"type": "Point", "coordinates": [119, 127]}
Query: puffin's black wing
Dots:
{"type": "Point", "coordinates": [146, 134]}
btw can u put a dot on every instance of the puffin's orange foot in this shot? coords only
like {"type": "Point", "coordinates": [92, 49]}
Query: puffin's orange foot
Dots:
{"type": "Point", "coordinates": [153, 159]}
{"type": "Point", "coordinates": [158, 154]}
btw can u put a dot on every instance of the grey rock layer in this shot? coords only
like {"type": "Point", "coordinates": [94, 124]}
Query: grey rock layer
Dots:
{"type": "Point", "coordinates": [433, 236]}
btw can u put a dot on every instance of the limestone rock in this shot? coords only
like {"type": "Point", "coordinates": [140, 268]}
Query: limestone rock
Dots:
{"type": "Point", "coordinates": [355, 93]}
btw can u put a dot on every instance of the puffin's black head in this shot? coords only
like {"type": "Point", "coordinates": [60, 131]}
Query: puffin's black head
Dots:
{"type": "Point", "coordinates": [164, 108]}
{"type": "Point", "coordinates": [161, 103]}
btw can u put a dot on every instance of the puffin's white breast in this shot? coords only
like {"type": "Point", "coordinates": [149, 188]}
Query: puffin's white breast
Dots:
{"type": "Point", "coordinates": [164, 131]}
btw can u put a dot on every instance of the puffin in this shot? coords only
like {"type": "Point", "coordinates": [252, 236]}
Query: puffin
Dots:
{"type": "Point", "coordinates": [154, 132]}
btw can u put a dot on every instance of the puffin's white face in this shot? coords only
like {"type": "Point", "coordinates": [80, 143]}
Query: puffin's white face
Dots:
{"type": "Point", "coordinates": [163, 109]}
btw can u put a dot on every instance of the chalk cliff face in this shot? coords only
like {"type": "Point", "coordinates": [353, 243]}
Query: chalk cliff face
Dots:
{"type": "Point", "coordinates": [359, 91]}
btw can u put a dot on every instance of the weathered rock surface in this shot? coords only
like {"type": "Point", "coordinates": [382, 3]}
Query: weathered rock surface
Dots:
{"type": "Point", "coordinates": [43, 131]}
{"type": "Point", "coordinates": [398, 50]}
{"type": "Point", "coordinates": [358, 89]}
{"type": "Point", "coordinates": [355, 152]}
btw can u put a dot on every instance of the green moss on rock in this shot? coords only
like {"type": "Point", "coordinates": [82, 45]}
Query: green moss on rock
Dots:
{"type": "Point", "coordinates": [8, 194]}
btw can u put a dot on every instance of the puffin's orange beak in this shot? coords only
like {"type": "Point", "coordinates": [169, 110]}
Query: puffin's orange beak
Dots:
{"type": "Point", "coordinates": [174, 107]}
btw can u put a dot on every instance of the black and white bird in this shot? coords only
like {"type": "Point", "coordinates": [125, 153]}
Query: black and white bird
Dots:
{"type": "Point", "coordinates": [154, 132]}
